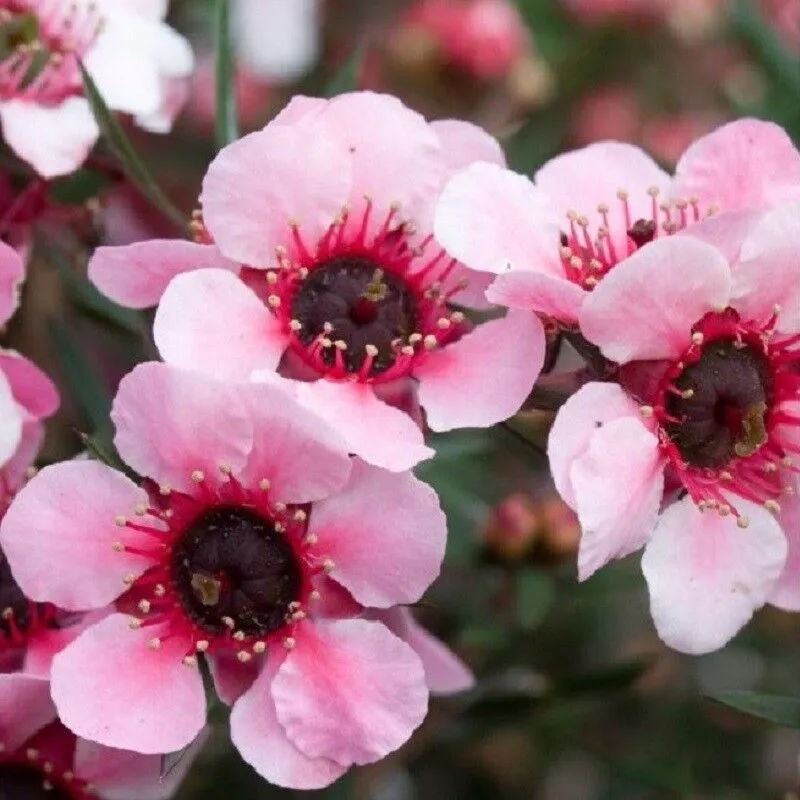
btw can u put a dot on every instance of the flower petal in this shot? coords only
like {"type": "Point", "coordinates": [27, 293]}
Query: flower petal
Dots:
{"type": "Point", "coordinates": [536, 291]}
{"type": "Point", "coordinates": [582, 180]}
{"type": "Point", "coordinates": [171, 423]}
{"type": "Point", "coordinates": [484, 377]}
{"type": "Point", "coordinates": [719, 168]}
{"type": "Point", "coordinates": [31, 387]}
{"type": "Point", "coordinates": [123, 775]}
{"type": "Point", "coordinates": [494, 220]}
{"type": "Point", "coordinates": [25, 708]}
{"type": "Point", "coordinates": [54, 140]}
{"type": "Point", "coordinates": [111, 687]}
{"type": "Point", "coordinates": [768, 272]}
{"type": "Point", "coordinates": [445, 672]}
{"type": "Point", "coordinates": [301, 455]}
{"type": "Point", "coordinates": [707, 576]}
{"type": "Point", "coordinates": [395, 513]}
{"type": "Point", "coordinates": [591, 407]}
{"type": "Point", "coordinates": [261, 183]}
{"type": "Point", "coordinates": [10, 422]}
{"type": "Point", "coordinates": [12, 273]}
{"type": "Point", "coordinates": [464, 143]}
{"type": "Point", "coordinates": [786, 593]}
{"type": "Point", "coordinates": [350, 691]}
{"type": "Point", "coordinates": [260, 738]}
{"type": "Point", "coordinates": [618, 484]}
{"type": "Point", "coordinates": [646, 306]}
{"type": "Point", "coordinates": [371, 429]}
{"type": "Point", "coordinates": [66, 516]}
{"type": "Point", "coordinates": [211, 322]}
{"type": "Point", "coordinates": [136, 275]}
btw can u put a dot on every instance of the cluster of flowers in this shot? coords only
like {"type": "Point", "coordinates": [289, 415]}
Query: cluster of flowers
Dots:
{"type": "Point", "coordinates": [267, 526]}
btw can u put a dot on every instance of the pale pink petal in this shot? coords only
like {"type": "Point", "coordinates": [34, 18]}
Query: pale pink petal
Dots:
{"type": "Point", "coordinates": [744, 164]}
{"type": "Point", "coordinates": [15, 471]}
{"type": "Point", "coordinates": [591, 407]}
{"type": "Point", "coordinates": [46, 645]}
{"type": "Point", "coordinates": [494, 220]}
{"type": "Point", "coordinates": [111, 687]}
{"type": "Point", "coordinates": [371, 429]}
{"type": "Point", "coordinates": [123, 775]}
{"type": "Point", "coordinates": [260, 738]}
{"type": "Point", "coordinates": [303, 458]}
{"type": "Point", "coordinates": [171, 423]}
{"type": "Point", "coordinates": [12, 273]}
{"type": "Point", "coordinates": [646, 306]}
{"type": "Point", "coordinates": [552, 296]}
{"type": "Point", "coordinates": [11, 420]}
{"type": "Point", "coordinates": [786, 593]}
{"type": "Point", "coordinates": [618, 484]}
{"type": "Point", "coordinates": [396, 158]}
{"type": "Point", "coordinates": [350, 691]}
{"type": "Point", "coordinates": [298, 107]}
{"type": "Point", "coordinates": [211, 322]}
{"type": "Point", "coordinates": [707, 576]}
{"type": "Point", "coordinates": [66, 517]}
{"type": "Point", "coordinates": [464, 143]}
{"type": "Point", "coordinates": [380, 511]}
{"type": "Point", "coordinates": [445, 672]}
{"type": "Point", "coordinates": [54, 140]}
{"type": "Point", "coordinates": [582, 180]}
{"type": "Point", "coordinates": [232, 678]}
{"type": "Point", "coordinates": [31, 387]}
{"type": "Point", "coordinates": [484, 377]}
{"type": "Point", "coordinates": [25, 708]}
{"type": "Point", "coordinates": [256, 186]}
{"type": "Point", "coordinates": [727, 232]}
{"type": "Point", "coordinates": [768, 272]}
{"type": "Point", "coordinates": [136, 275]}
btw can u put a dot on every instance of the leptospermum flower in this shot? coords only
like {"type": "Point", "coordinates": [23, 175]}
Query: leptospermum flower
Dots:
{"type": "Point", "coordinates": [132, 55]}
{"type": "Point", "coordinates": [344, 286]}
{"type": "Point", "coordinates": [551, 241]}
{"type": "Point", "coordinates": [253, 540]}
{"type": "Point", "coordinates": [707, 408]}
{"type": "Point", "coordinates": [41, 760]}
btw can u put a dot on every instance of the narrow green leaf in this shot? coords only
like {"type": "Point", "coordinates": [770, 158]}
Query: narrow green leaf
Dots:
{"type": "Point", "coordinates": [346, 79]}
{"type": "Point", "coordinates": [123, 149]}
{"type": "Point", "coordinates": [535, 595]}
{"type": "Point", "coordinates": [103, 451]}
{"type": "Point", "coordinates": [227, 126]}
{"type": "Point", "coordinates": [784, 711]}
{"type": "Point", "coordinates": [82, 379]}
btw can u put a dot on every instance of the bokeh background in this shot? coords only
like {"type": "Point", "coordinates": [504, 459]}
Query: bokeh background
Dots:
{"type": "Point", "coordinates": [576, 697]}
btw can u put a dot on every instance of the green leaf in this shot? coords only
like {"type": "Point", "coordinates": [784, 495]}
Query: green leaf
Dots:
{"type": "Point", "coordinates": [105, 452]}
{"type": "Point", "coordinates": [123, 149]}
{"type": "Point", "coordinates": [535, 595]}
{"type": "Point", "coordinates": [346, 79]}
{"type": "Point", "coordinates": [227, 126]}
{"type": "Point", "coordinates": [781, 710]}
{"type": "Point", "coordinates": [82, 379]}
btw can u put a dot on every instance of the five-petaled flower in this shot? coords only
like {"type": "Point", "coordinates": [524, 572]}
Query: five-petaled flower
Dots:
{"type": "Point", "coordinates": [327, 270]}
{"type": "Point", "coordinates": [704, 416]}
{"type": "Point", "coordinates": [255, 542]}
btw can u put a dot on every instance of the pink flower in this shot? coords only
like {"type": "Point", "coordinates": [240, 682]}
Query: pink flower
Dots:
{"type": "Point", "coordinates": [483, 38]}
{"type": "Point", "coordinates": [706, 411]}
{"type": "Point", "coordinates": [551, 241]}
{"type": "Point", "coordinates": [253, 540]}
{"type": "Point", "coordinates": [131, 54]}
{"type": "Point", "coordinates": [327, 270]}
{"type": "Point", "coordinates": [42, 760]}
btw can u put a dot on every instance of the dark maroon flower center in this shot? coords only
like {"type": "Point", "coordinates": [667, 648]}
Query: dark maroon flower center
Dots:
{"type": "Point", "coordinates": [356, 307]}
{"type": "Point", "coordinates": [233, 569]}
{"type": "Point", "coordinates": [21, 782]}
{"type": "Point", "coordinates": [722, 412]}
